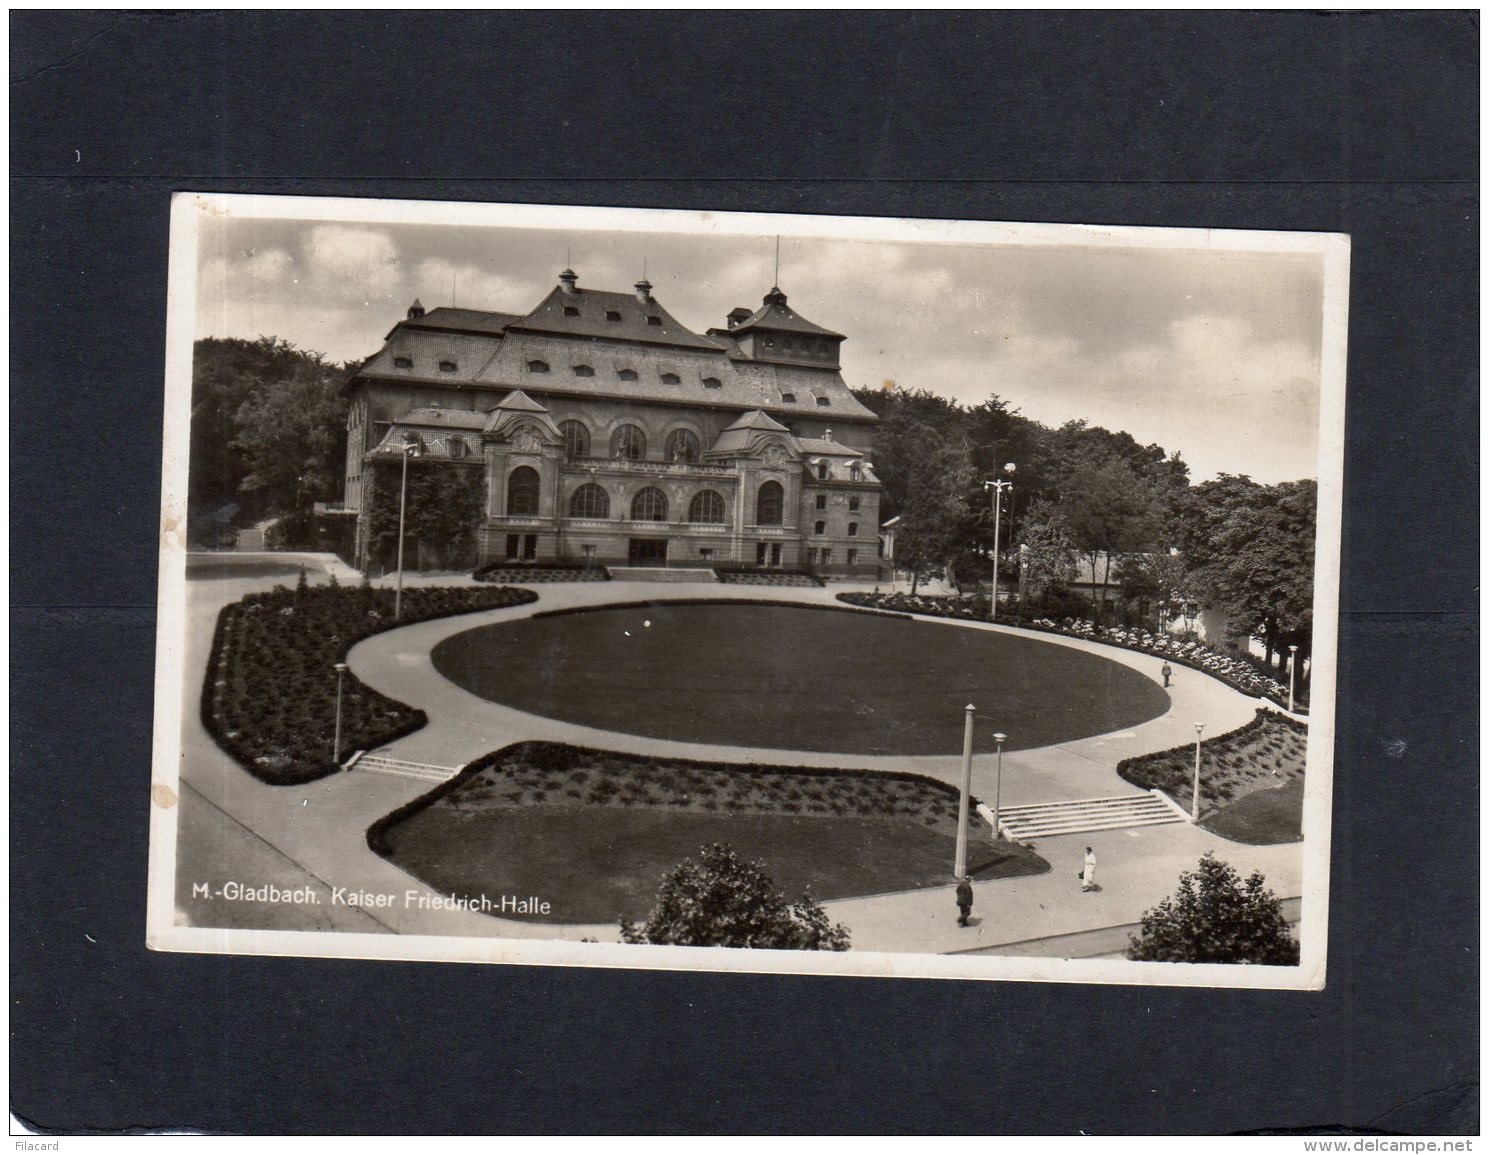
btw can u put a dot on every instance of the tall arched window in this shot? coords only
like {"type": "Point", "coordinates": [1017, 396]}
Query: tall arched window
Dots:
{"type": "Point", "coordinates": [628, 442]}
{"type": "Point", "coordinates": [706, 507]}
{"type": "Point", "coordinates": [769, 504]}
{"type": "Point", "coordinates": [576, 438]}
{"type": "Point", "coordinates": [649, 505]}
{"type": "Point", "coordinates": [682, 445]}
{"type": "Point", "coordinates": [589, 500]}
{"type": "Point", "coordinates": [522, 492]}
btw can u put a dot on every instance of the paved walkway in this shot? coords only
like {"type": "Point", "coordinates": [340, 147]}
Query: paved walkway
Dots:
{"type": "Point", "coordinates": [322, 826]}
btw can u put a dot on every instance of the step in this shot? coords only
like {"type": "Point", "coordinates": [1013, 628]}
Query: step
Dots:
{"type": "Point", "coordinates": [1086, 808]}
{"type": "Point", "coordinates": [425, 771]}
{"type": "Point", "coordinates": [1020, 831]}
{"type": "Point", "coordinates": [1105, 799]}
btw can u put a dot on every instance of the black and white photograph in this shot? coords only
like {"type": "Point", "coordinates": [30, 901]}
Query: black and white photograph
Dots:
{"type": "Point", "coordinates": [737, 592]}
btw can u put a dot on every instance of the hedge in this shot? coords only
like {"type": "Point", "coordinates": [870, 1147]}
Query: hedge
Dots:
{"type": "Point", "coordinates": [269, 697]}
{"type": "Point", "coordinates": [541, 571]}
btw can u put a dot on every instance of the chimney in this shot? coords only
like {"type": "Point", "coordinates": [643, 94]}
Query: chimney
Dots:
{"type": "Point", "coordinates": [643, 291]}
{"type": "Point", "coordinates": [567, 280]}
{"type": "Point", "coordinates": [415, 310]}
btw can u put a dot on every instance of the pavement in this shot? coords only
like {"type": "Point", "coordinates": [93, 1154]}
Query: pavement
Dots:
{"type": "Point", "coordinates": [317, 832]}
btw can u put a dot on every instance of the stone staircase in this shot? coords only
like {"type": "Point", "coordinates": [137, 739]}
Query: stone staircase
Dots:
{"type": "Point", "coordinates": [380, 762]}
{"type": "Point", "coordinates": [1087, 815]}
{"type": "Point", "coordinates": [644, 573]}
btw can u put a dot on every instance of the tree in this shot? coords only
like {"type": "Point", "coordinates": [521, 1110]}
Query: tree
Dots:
{"type": "Point", "coordinates": [1109, 510]}
{"type": "Point", "coordinates": [934, 514]}
{"type": "Point", "coordinates": [1216, 918]}
{"type": "Point", "coordinates": [1251, 551]}
{"type": "Point", "coordinates": [291, 432]}
{"type": "Point", "coordinates": [722, 900]}
{"type": "Point", "coordinates": [1046, 552]}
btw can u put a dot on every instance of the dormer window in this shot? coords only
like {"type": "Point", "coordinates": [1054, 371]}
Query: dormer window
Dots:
{"type": "Point", "coordinates": [788, 398]}
{"type": "Point", "coordinates": [570, 311]}
{"type": "Point", "coordinates": [537, 366]}
{"type": "Point", "coordinates": [628, 375]}
{"type": "Point", "coordinates": [712, 383]}
{"type": "Point", "coordinates": [671, 379]}
{"type": "Point", "coordinates": [583, 371]}
{"type": "Point", "coordinates": [611, 315]}
{"type": "Point", "coordinates": [447, 366]}
{"type": "Point", "coordinates": [824, 400]}
{"type": "Point", "coordinates": [822, 471]}
{"type": "Point", "coordinates": [459, 450]}
{"type": "Point", "coordinates": [657, 321]}
{"type": "Point", "coordinates": [403, 362]}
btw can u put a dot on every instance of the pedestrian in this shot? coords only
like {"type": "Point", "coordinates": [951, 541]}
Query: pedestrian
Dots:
{"type": "Point", "coordinates": [1088, 872]}
{"type": "Point", "coordinates": [1168, 672]}
{"type": "Point", "coordinates": [964, 901]}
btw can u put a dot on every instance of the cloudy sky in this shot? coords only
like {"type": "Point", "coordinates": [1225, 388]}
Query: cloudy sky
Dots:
{"type": "Point", "coordinates": [1213, 354]}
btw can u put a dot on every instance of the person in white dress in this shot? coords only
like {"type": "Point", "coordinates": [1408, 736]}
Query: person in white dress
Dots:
{"type": "Point", "coordinates": [1088, 874]}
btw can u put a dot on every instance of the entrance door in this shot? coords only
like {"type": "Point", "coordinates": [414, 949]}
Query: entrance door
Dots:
{"type": "Point", "coordinates": [648, 551]}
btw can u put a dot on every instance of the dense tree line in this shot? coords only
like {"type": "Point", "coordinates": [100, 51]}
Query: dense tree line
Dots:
{"type": "Point", "coordinates": [268, 434]}
{"type": "Point", "coordinates": [1089, 502]}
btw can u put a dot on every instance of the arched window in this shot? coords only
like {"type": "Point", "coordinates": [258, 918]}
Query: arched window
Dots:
{"type": "Point", "coordinates": [589, 500]}
{"type": "Point", "coordinates": [459, 450]}
{"type": "Point", "coordinates": [628, 442]}
{"type": "Point", "coordinates": [522, 492]}
{"type": "Point", "coordinates": [769, 504]}
{"type": "Point", "coordinates": [583, 371]}
{"type": "Point", "coordinates": [576, 438]}
{"type": "Point", "coordinates": [627, 374]}
{"type": "Point", "coordinates": [682, 445]}
{"type": "Point", "coordinates": [671, 379]}
{"type": "Point", "coordinates": [537, 366]}
{"type": "Point", "coordinates": [649, 505]}
{"type": "Point", "coordinates": [706, 507]}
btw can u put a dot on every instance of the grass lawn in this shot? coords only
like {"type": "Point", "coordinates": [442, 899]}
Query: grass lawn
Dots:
{"type": "Point", "coordinates": [1263, 817]}
{"type": "Point", "coordinates": [593, 833]}
{"type": "Point", "coordinates": [796, 678]}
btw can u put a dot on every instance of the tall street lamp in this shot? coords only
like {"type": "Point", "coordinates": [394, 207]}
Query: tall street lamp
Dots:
{"type": "Point", "coordinates": [997, 485]}
{"type": "Point", "coordinates": [998, 789]}
{"type": "Point", "coordinates": [336, 742]}
{"type": "Point", "coordinates": [961, 816]}
{"type": "Point", "coordinates": [1199, 729]}
{"type": "Point", "coordinates": [410, 449]}
{"type": "Point", "coordinates": [1292, 675]}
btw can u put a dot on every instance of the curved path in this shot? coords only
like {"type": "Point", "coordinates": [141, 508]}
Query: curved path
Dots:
{"type": "Point", "coordinates": [320, 828]}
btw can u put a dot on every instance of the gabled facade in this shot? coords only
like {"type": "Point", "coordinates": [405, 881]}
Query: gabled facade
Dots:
{"type": "Point", "coordinates": [609, 432]}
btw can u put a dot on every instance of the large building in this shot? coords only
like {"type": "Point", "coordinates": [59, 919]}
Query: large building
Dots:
{"type": "Point", "coordinates": [598, 428]}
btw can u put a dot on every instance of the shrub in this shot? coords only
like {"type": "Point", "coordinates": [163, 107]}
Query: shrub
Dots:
{"type": "Point", "coordinates": [1216, 918]}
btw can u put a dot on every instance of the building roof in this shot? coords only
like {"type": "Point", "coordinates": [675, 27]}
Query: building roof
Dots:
{"type": "Point", "coordinates": [823, 447]}
{"type": "Point", "coordinates": [755, 419]}
{"type": "Point", "coordinates": [775, 313]}
{"type": "Point", "coordinates": [436, 418]}
{"type": "Point", "coordinates": [592, 313]}
{"type": "Point", "coordinates": [587, 355]}
{"type": "Point", "coordinates": [520, 402]}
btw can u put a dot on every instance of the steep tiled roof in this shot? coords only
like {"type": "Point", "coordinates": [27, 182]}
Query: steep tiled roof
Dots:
{"type": "Point", "coordinates": [776, 314]}
{"type": "Point", "coordinates": [477, 321]}
{"type": "Point", "coordinates": [592, 313]}
{"type": "Point", "coordinates": [824, 448]}
{"type": "Point", "coordinates": [426, 350]}
{"type": "Point", "coordinates": [451, 418]}
{"type": "Point", "coordinates": [756, 420]}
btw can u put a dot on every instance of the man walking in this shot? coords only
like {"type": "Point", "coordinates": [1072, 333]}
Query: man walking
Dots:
{"type": "Point", "coordinates": [964, 901]}
{"type": "Point", "coordinates": [1088, 872]}
{"type": "Point", "coordinates": [1168, 672]}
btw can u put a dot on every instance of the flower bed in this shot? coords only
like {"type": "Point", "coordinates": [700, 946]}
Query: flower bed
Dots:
{"type": "Point", "coordinates": [548, 571]}
{"type": "Point", "coordinates": [1267, 753]}
{"type": "Point", "coordinates": [766, 577]}
{"type": "Point", "coordinates": [270, 693]}
{"type": "Point", "coordinates": [1238, 673]}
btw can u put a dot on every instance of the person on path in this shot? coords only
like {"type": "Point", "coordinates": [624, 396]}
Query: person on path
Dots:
{"type": "Point", "coordinates": [1088, 872]}
{"type": "Point", "coordinates": [964, 901]}
{"type": "Point", "coordinates": [1168, 672]}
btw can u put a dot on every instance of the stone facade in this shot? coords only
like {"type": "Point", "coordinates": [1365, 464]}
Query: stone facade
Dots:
{"type": "Point", "coordinates": [611, 433]}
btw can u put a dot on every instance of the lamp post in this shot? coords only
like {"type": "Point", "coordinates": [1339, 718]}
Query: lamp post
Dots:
{"type": "Point", "coordinates": [997, 485]}
{"type": "Point", "coordinates": [410, 449]}
{"type": "Point", "coordinates": [1292, 675]}
{"type": "Point", "coordinates": [998, 789]}
{"type": "Point", "coordinates": [961, 816]}
{"type": "Point", "coordinates": [1199, 729]}
{"type": "Point", "coordinates": [336, 742]}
